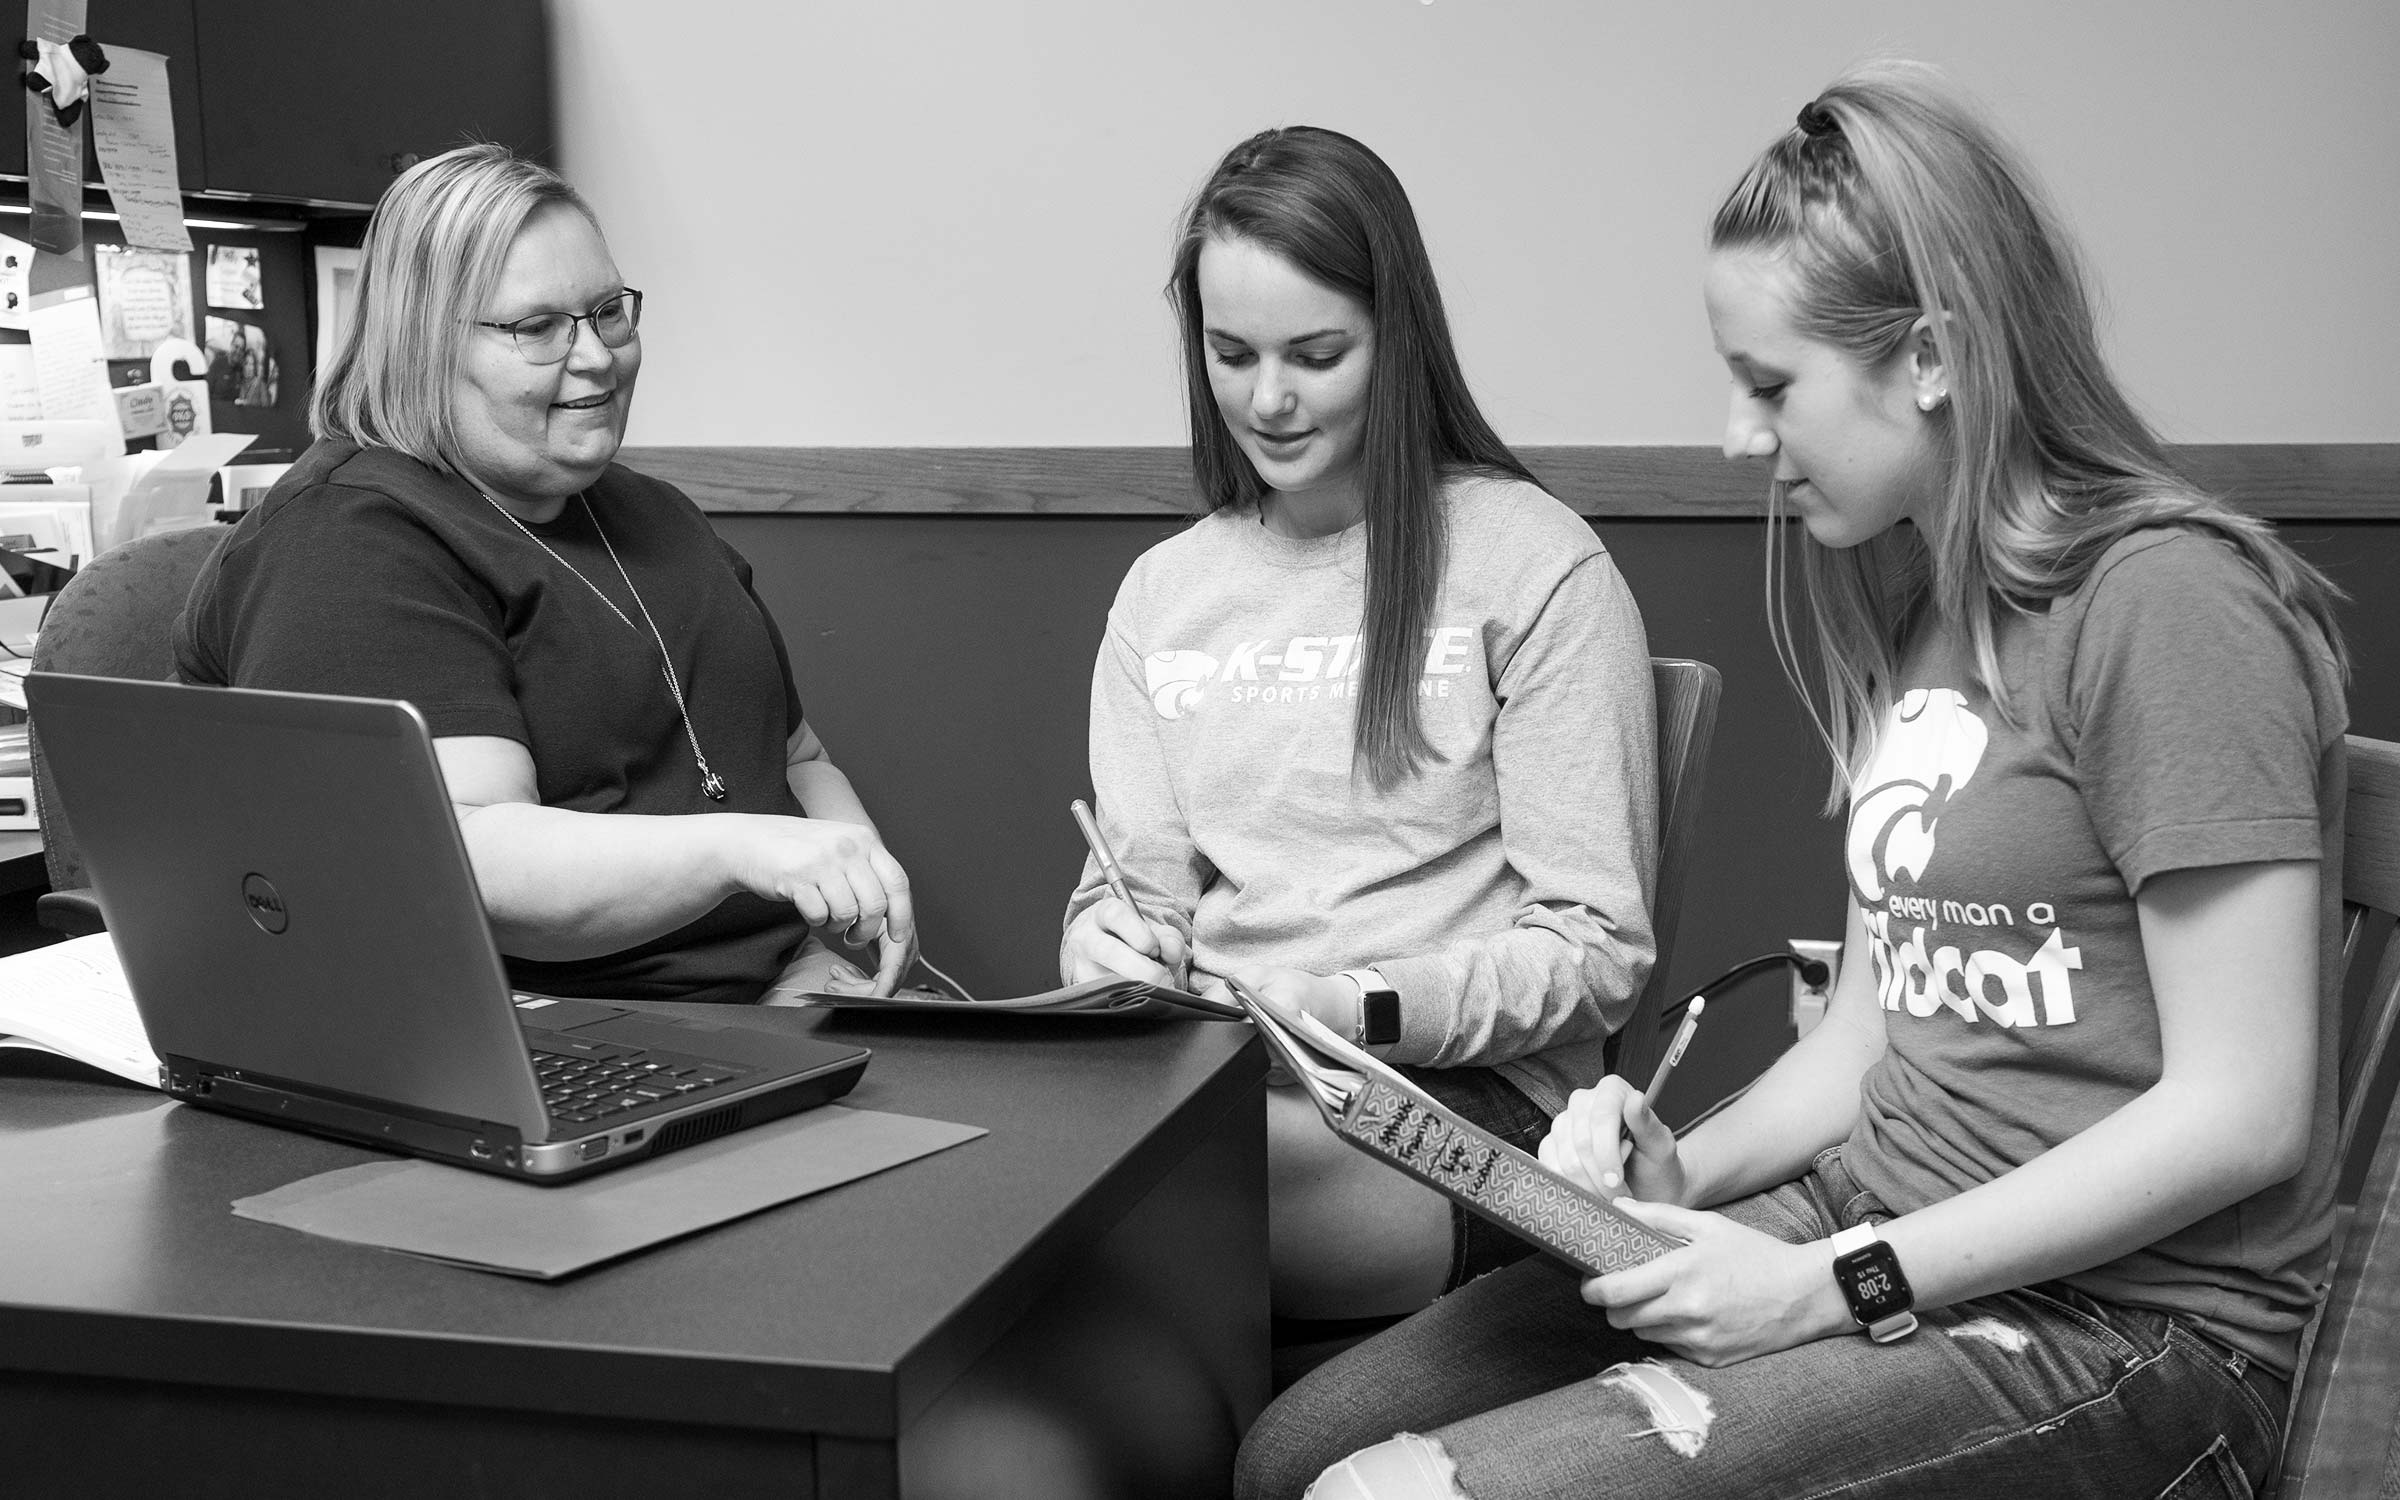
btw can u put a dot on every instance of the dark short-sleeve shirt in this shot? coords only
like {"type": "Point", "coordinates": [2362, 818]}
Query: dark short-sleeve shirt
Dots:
{"type": "Point", "coordinates": [367, 573]}
{"type": "Point", "coordinates": [2170, 714]}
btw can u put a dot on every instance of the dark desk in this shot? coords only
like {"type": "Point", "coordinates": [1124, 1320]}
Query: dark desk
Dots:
{"type": "Point", "coordinates": [1080, 1293]}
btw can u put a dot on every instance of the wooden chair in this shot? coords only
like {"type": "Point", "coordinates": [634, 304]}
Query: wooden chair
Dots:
{"type": "Point", "coordinates": [2343, 1437]}
{"type": "Point", "coordinates": [115, 618]}
{"type": "Point", "coordinates": [1687, 725]}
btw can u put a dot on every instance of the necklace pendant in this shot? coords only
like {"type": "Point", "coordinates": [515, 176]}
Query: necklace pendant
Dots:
{"type": "Point", "coordinates": [711, 784]}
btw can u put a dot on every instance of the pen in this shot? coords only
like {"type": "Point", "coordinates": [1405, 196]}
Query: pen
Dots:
{"type": "Point", "coordinates": [1100, 851]}
{"type": "Point", "coordinates": [1666, 1064]}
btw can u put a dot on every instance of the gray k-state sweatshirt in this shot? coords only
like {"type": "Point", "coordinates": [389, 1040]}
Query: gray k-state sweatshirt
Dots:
{"type": "Point", "coordinates": [1505, 890]}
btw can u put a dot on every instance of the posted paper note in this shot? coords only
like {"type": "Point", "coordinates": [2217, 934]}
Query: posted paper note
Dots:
{"type": "Point", "coordinates": [54, 153]}
{"type": "Point", "coordinates": [16, 277]}
{"type": "Point", "coordinates": [145, 299]}
{"type": "Point", "coordinates": [133, 134]}
{"type": "Point", "coordinates": [68, 356]}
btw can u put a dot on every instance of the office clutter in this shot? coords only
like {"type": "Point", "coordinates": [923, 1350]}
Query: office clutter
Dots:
{"type": "Point", "coordinates": [16, 779]}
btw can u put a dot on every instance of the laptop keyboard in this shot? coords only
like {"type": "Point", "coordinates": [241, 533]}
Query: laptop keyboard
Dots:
{"type": "Point", "coordinates": [581, 1089]}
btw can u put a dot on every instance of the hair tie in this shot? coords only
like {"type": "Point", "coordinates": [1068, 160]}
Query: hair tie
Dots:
{"type": "Point", "coordinates": [1816, 120]}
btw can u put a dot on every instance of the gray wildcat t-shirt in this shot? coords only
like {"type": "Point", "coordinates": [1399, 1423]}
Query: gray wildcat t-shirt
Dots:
{"type": "Point", "coordinates": [2172, 714]}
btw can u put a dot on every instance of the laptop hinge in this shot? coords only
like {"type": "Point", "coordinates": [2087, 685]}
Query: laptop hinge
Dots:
{"type": "Point", "coordinates": [375, 1125]}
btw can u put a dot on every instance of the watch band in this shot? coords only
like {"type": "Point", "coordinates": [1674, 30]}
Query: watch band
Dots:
{"type": "Point", "coordinates": [1868, 1272]}
{"type": "Point", "coordinates": [1378, 1008]}
{"type": "Point", "coordinates": [1856, 1237]}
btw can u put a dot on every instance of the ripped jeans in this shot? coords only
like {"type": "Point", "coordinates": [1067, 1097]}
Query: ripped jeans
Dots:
{"type": "Point", "coordinates": [2040, 1391]}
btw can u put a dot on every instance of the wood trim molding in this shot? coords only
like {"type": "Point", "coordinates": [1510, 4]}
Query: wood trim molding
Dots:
{"type": "Point", "coordinates": [2281, 481]}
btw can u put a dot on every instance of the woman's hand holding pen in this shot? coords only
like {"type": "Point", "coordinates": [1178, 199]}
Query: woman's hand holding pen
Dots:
{"type": "Point", "coordinates": [1609, 1140]}
{"type": "Point", "coordinates": [1112, 938]}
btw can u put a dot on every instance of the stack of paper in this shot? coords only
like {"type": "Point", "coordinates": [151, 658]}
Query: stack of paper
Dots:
{"type": "Point", "coordinates": [71, 998]}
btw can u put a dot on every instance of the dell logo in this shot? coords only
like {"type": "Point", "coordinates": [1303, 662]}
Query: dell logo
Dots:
{"type": "Point", "coordinates": [264, 904]}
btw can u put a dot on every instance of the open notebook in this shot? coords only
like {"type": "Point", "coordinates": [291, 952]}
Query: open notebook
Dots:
{"type": "Point", "coordinates": [1124, 999]}
{"type": "Point", "coordinates": [1383, 1114]}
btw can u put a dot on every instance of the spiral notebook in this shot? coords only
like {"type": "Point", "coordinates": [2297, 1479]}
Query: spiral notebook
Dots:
{"type": "Point", "coordinates": [1383, 1114]}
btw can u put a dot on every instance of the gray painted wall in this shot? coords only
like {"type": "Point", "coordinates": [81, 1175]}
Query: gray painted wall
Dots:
{"type": "Point", "coordinates": [947, 662]}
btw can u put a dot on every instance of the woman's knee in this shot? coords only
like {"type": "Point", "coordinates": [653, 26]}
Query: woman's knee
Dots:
{"type": "Point", "coordinates": [1408, 1466]}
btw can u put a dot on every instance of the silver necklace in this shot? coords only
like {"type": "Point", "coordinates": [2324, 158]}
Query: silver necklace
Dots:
{"type": "Point", "coordinates": [710, 783]}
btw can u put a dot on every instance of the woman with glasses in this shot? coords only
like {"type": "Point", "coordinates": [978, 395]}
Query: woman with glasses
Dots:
{"type": "Point", "coordinates": [647, 811]}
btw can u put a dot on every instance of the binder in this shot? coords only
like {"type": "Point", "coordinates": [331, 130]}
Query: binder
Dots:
{"type": "Point", "coordinates": [1380, 1112]}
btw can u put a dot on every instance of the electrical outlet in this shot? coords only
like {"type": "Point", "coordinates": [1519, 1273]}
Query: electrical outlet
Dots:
{"type": "Point", "coordinates": [1808, 1001]}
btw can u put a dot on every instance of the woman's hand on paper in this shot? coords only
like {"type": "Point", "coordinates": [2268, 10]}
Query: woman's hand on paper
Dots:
{"type": "Point", "coordinates": [1110, 939]}
{"type": "Point", "coordinates": [1611, 1143]}
{"type": "Point", "coordinates": [1730, 1294]}
{"type": "Point", "coordinates": [841, 880]}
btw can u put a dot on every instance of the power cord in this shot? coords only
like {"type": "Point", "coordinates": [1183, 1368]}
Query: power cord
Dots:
{"type": "Point", "coordinates": [1814, 970]}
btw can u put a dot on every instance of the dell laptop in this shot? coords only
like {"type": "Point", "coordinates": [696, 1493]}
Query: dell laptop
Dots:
{"type": "Point", "coordinates": [285, 882]}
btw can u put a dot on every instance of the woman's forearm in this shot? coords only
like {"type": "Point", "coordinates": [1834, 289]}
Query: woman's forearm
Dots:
{"type": "Point", "coordinates": [1805, 1103]}
{"type": "Point", "coordinates": [562, 885]}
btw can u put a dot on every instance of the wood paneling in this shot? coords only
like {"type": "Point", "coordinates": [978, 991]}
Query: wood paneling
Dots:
{"type": "Point", "coordinates": [2282, 481]}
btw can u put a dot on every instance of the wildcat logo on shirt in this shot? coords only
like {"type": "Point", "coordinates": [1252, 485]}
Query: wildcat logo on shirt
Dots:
{"type": "Point", "coordinates": [1930, 749]}
{"type": "Point", "coordinates": [1300, 670]}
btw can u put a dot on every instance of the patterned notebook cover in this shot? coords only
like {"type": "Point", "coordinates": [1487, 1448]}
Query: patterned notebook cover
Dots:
{"type": "Point", "coordinates": [1384, 1115]}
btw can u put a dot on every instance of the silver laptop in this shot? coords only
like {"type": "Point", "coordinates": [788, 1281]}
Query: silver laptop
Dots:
{"type": "Point", "coordinates": [285, 881]}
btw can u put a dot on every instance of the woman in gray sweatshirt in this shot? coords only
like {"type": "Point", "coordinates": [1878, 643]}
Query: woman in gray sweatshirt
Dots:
{"type": "Point", "coordinates": [1376, 733]}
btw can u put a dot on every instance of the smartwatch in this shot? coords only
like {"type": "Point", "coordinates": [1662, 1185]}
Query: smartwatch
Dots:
{"type": "Point", "coordinates": [1872, 1283]}
{"type": "Point", "coordinates": [1378, 1008]}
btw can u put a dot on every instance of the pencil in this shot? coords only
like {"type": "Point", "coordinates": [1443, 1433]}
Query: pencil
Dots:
{"type": "Point", "coordinates": [1666, 1064]}
{"type": "Point", "coordinates": [1100, 851]}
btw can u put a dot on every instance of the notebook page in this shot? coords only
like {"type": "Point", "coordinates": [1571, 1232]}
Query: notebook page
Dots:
{"type": "Point", "coordinates": [71, 998]}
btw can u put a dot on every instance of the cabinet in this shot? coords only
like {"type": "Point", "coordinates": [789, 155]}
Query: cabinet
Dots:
{"type": "Point", "coordinates": [305, 101]}
{"type": "Point", "coordinates": [310, 101]}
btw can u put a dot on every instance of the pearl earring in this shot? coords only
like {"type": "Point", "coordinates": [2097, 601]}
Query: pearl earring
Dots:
{"type": "Point", "coordinates": [1930, 400]}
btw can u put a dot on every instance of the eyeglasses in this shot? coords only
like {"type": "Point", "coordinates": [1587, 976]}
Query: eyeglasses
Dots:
{"type": "Point", "coordinates": [545, 338]}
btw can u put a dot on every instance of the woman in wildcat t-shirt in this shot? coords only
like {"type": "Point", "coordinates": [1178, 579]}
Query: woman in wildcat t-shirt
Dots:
{"type": "Point", "coordinates": [2040, 1206]}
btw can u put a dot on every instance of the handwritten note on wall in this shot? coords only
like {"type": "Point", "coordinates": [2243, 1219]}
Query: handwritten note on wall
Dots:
{"type": "Point", "coordinates": [133, 134]}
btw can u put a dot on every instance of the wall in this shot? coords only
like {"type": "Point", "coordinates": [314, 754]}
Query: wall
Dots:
{"type": "Point", "coordinates": [916, 224]}
{"type": "Point", "coordinates": [947, 663]}
{"type": "Point", "coordinates": [945, 221]}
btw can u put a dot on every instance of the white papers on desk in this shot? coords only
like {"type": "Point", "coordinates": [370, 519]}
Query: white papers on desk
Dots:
{"type": "Point", "coordinates": [71, 998]}
{"type": "Point", "coordinates": [171, 491]}
{"type": "Point", "coordinates": [58, 518]}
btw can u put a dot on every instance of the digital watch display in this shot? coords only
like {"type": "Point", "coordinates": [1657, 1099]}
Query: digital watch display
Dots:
{"type": "Point", "coordinates": [1868, 1272]}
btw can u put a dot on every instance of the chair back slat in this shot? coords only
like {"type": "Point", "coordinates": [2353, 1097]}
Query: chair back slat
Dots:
{"type": "Point", "coordinates": [2371, 845]}
{"type": "Point", "coordinates": [1687, 694]}
{"type": "Point", "coordinates": [2343, 1438]}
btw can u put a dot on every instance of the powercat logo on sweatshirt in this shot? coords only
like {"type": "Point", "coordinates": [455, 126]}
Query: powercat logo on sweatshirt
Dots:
{"type": "Point", "coordinates": [1930, 749]}
{"type": "Point", "coordinates": [1297, 670]}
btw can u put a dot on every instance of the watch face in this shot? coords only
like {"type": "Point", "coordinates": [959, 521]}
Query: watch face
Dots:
{"type": "Point", "coordinates": [1381, 1017]}
{"type": "Point", "coordinates": [1871, 1281]}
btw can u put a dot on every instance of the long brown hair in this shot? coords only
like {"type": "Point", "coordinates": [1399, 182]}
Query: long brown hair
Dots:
{"type": "Point", "coordinates": [1330, 206]}
{"type": "Point", "coordinates": [1896, 206]}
